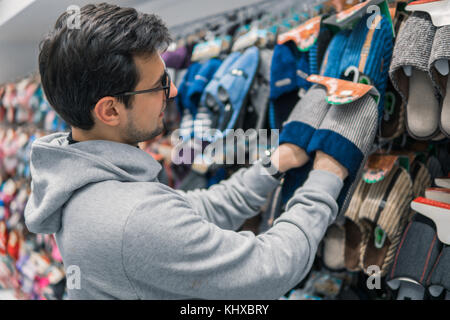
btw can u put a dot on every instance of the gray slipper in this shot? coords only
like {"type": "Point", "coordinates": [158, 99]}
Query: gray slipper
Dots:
{"type": "Point", "coordinates": [414, 259]}
{"type": "Point", "coordinates": [409, 75]}
{"type": "Point", "coordinates": [439, 70]}
{"type": "Point", "coordinates": [439, 279]}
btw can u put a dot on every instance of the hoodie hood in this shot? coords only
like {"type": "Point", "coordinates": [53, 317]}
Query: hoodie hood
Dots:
{"type": "Point", "coordinates": [59, 169]}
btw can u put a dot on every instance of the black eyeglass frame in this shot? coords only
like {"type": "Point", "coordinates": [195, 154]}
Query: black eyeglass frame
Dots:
{"type": "Point", "coordinates": [166, 88]}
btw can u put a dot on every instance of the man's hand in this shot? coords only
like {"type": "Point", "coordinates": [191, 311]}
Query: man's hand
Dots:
{"type": "Point", "coordinates": [288, 156]}
{"type": "Point", "coordinates": [327, 163]}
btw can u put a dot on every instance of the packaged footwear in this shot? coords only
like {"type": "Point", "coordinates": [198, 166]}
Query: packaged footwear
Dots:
{"type": "Point", "coordinates": [182, 97]}
{"type": "Point", "coordinates": [384, 213]}
{"type": "Point", "coordinates": [438, 281]}
{"type": "Point", "coordinates": [394, 114]}
{"type": "Point", "coordinates": [421, 178]}
{"type": "Point", "coordinates": [409, 75]}
{"type": "Point", "coordinates": [234, 88]}
{"type": "Point", "coordinates": [283, 82]}
{"type": "Point", "coordinates": [199, 82]}
{"type": "Point", "coordinates": [368, 54]}
{"type": "Point", "coordinates": [298, 54]}
{"type": "Point", "coordinates": [439, 73]}
{"type": "Point", "coordinates": [333, 56]}
{"type": "Point", "coordinates": [416, 255]}
{"type": "Point", "coordinates": [355, 236]}
{"type": "Point", "coordinates": [347, 133]}
{"type": "Point", "coordinates": [209, 97]}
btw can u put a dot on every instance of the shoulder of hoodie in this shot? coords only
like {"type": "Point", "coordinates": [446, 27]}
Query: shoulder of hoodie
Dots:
{"type": "Point", "coordinates": [149, 196]}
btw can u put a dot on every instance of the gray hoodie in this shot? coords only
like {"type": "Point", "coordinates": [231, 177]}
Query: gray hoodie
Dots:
{"type": "Point", "coordinates": [132, 237]}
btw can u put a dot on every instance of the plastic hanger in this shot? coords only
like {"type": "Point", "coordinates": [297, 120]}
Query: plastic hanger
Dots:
{"type": "Point", "coordinates": [439, 10]}
{"type": "Point", "coordinates": [437, 211]}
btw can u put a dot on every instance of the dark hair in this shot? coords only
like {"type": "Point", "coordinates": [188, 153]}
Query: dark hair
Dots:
{"type": "Point", "coordinates": [80, 66]}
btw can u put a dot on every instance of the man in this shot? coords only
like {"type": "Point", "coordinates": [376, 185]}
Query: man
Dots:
{"type": "Point", "coordinates": [130, 236]}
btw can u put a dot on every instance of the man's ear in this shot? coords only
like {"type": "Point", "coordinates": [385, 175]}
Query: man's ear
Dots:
{"type": "Point", "coordinates": [108, 110]}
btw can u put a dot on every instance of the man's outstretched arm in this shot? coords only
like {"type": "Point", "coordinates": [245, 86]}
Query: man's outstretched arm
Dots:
{"type": "Point", "coordinates": [229, 203]}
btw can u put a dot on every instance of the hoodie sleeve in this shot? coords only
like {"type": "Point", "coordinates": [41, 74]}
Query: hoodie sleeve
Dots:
{"type": "Point", "coordinates": [229, 203]}
{"type": "Point", "coordinates": [170, 249]}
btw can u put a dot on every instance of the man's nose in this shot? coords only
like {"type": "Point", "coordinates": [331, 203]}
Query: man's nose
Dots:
{"type": "Point", "coordinates": [173, 90]}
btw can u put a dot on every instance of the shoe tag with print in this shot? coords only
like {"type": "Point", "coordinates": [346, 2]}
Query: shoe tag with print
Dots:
{"type": "Point", "coordinates": [341, 92]}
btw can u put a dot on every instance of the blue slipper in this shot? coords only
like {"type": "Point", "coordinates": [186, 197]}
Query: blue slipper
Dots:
{"type": "Point", "coordinates": [234, 87]}
{"type": "Point", "coordinates": [290, 68]}
{"type": "Point", "coordinates": [333, 56]}
{"type": "Point", "coordinates": [189, 77]}
{"type": "Point", "coordinates": [300, 133]}
{"type": "Point", "coordinates": [199, 83]}
{"type": "Point", "coordinates": [284, 82]}
{"type": "Point", "coordinates": [209, 97]}
{"type": "Point", "coordinates": [370, 51]}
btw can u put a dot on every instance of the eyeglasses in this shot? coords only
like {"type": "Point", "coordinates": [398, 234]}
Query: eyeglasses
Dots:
{"type": "Point", "coordinates": [165, 85]}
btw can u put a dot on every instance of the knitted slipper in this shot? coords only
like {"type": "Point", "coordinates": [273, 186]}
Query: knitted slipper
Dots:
{"type": "Point", "coordinates": [317, 52]}
{"type": "Point", "coordinates": [298, 129]}
{"type": "Point", "coordinates": [439, 278]}
{"type": "Point", "coordinates": [234, 87]}
{"type": "Point", "coordinates": [333, 56]}
{"type": "Point", "coordinates": [355, 237]}
{"type": "Point", "coordinates": [421, 178]}
{"type": "Point", "coordinates": [283, 81]}
{"type": "Point", "coordinates": [347, 133]}
{"type": "Point", "coordinates": [384, 214]}
{"type": "Point", "coordinates": [414, 259]}
{"type": "Point", "coordinates": [305, 118]}
{"type": "Point", "coordinates": [369, 51]}
{"type": "Point", "coordinates": [393, 120]}
{"type": "Point", "coordinates": [439, 70]}
{"type": "Point", "coordinates": [309, 112]}
{"type": "Point", "coordinates": [409, 75]}
{"type": "Point", "coordinates": [291, 65]}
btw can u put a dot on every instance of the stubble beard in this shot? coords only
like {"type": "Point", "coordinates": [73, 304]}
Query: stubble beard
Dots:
{"type": "Point", "coordinates": [135, 135]}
